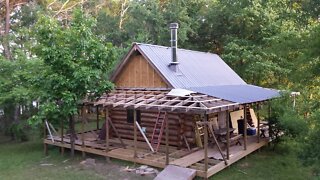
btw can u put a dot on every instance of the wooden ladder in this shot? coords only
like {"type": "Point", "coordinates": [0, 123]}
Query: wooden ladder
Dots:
{"type": "Point", "coordinates": [158, 130]}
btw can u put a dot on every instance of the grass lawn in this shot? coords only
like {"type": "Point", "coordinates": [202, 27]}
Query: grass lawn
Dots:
{"type": "Point", "coordinates": [26, 161]}
{"type": "Point", "coordinates": [267, 164]}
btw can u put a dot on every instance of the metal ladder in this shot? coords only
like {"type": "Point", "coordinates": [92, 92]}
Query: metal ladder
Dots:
{"type": "Point", "coordinates": [158, 130]}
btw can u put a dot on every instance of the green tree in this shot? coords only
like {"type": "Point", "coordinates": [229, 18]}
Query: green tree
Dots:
{"type": "Point", "coordinates": [77, 65]}
{"type": "Point", "coordinates": [17, 93]}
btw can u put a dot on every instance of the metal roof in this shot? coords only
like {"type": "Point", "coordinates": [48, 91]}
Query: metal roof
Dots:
{"type": "Point", "coordinates": [195, 69]}
{"type": "Point", "coordinates": [238, 93]}
{"type": "Point", "coordinates": [201, 72]}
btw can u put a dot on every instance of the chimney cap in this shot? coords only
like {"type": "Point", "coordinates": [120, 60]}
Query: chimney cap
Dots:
{"type": "Point", "coordinates": [174, 25]}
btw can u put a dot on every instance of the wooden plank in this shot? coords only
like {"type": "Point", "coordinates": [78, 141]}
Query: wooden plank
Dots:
{"type": "Point", "coordinates": [62, 127]}
{"type": "Point", "coordinates": [45, 146]}
{"type": "Point", "coordinates": [235, 157]}
{"type": "Point", "coordinates": [167, 139]}
{"type": "Point", "coordinates": [258, 116]}
{"type": "Point", "coordinates": [245, 127]}
{"type": "Point", "coordinates": [189, 159]}
{"type": "Point", "coordinates": [107, 133]}
{"type": "Point", "coordinates": [206, 144]}
{"type": "Point", "coordinates": [83, 114]}
{"type": "Point", "coordinates": [228, 135]}
{"type": "Point", "coordinates": [236, 153]}
{"type": "Point", "coordinates": [97, 113]}
{"type": "Point", "coordinates": [135, 134]}
{"type": "Point", "coordinates": [172, 172]}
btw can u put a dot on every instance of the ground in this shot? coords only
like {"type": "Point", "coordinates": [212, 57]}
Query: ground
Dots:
{"type": "Point", "coordinates": [26, 161]}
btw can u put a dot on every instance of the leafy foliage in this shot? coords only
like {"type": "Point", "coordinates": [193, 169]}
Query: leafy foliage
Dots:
{"type": "Point", "coordinates": [76, 64]}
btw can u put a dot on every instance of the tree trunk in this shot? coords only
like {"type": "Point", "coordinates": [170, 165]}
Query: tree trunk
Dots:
{"type": "Point", "coordinates": [72, 134]}
{"type": "Point", "coordinates": [16, 121]}
{"type": "Point", "coordinates": [5, 44]}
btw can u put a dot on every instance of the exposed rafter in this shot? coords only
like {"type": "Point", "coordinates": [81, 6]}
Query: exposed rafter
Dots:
{"type": "Point", "coordinates": [159, 100]}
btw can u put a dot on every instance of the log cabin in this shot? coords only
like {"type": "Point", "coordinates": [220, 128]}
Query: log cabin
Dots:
{"type": "Point", "coordinates": [173, 106]}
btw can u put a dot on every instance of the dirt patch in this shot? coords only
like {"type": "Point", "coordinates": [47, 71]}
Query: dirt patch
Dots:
{"type": "Point", "coordinates": [112, 170]}
{"type": "Point", "coordinates": [244, 165]}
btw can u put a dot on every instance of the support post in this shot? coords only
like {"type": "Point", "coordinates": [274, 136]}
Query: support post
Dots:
{"type": "Point", "coordinates": [167, 140]}
{"type": "Point", "coordinates": [107, 134]}
{"type": "Point", "coordinates": [228, 135]}
{"type": "Point", "coordinates": [135, 134]}
{"type": "Point", "coordinates": [217, 143]}
{"type": "Point", "coordinates": [245, 127]}
{"type": "Point", "coordinates": [45, 146]}
{"type": "Point", "coordinates": [82, 130]}
{"type": "Point", "coordinates": [97, 112]}
{"type": "Point", "coordinates": [62, 141]}
{"type": "Point", "coordinates": [206, 145]}
{"type": "Point", "coordinates": [269, 117]}
{"type": "Point", "coordinates": [258, 124]}
{"type": "Point", "coordinates": [72, 135]}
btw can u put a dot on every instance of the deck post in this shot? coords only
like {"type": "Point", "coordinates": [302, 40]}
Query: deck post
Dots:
{"type": "Point", "coordinates": [62, 141]}
{"type": "Point", "coordinates": [135, 135]}
{"type": "Point", "coordinates": [258, 124]}
{"type": "Point", "coordinates": [107, 134]}
{"type": "Point", "coordinates": [269, 125]}
{"type": "Point", "coordinates": [45, 145]}
{"type": "Point", "coordinates": [228, 135]}
{"type": "Point", "coordinates": [167, 140]}
{"type": "Point", "coordinates": [97, 112]}
{"type": "Point", "coordinates": [245, 127]}
{"type": "Point", "coordinates": [206, 145]}
{"type": "Point", "coordinates": [83, 115]}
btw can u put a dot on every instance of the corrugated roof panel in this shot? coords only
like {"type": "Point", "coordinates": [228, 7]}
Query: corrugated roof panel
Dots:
{"type": "Point", "coordinates": [196, 69]}
{"type": "Point", "coordinates": [238, 93]}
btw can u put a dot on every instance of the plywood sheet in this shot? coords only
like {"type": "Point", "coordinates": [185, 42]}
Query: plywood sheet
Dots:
{"type": "Point", "coordinates": [172, 172]}
{"type": "Point", "coordinates": [254, 118]}
{"type": "Point", "coordinates": [235, 115]}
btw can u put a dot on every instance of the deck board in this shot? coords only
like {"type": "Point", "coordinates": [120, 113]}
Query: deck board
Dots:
{"type": "Point", "coordinates": [191, 159]}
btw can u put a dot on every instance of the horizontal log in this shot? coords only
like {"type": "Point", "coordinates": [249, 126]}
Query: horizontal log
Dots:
{"type": "Point", "coordinates": [140, 138]}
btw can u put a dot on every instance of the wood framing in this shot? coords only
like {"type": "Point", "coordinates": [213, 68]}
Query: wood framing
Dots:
{"type": "Point", "coordinates": [160, 100]}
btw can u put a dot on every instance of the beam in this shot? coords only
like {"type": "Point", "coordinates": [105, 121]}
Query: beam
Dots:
{"type": "Point", "coordinates": [167, 139]}
{"type": "Point", "coordinates": [217, 143]}
{"type": "Point", "coordinates": [62, 141]}
{"type": "Point", "coordinates": [258, 124]}
{"type": "Point", "coordinates": [115, 130]}
{"type": "Point", "coordinates": [245, 127]}
{"type": "Point", "coordinates": [205, 145]}
{"type": "Point", "coordinates": [107, 134]}
{"type": "Point", "coordinates": [144, 136]}
{"type": "Point", "coordinates": [45, 145]}
{"type": "Point", "coordinates": [135, 135]}
{"type": "Point", "coordinates": [97, 112]}
{"type": "Point", "coordinates": [83, 115]}
{"type": "Point", "coordinates": [228, 135]}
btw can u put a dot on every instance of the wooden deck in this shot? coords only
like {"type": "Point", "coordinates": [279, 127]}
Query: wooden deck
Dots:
{"type": "Point", "coordinates": [193, 159]}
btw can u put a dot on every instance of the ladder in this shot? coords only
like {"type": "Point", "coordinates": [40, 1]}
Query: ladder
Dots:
{"type": "Point", "coordinates": [158, 130]}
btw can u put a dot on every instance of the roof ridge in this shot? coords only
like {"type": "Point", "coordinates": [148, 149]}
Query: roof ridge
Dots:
{"type": "Point", "coordinates": [167, 47]}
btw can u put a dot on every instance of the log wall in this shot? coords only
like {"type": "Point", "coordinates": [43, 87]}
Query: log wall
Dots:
{"type": "Point", "coordinates": [178, 124]}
